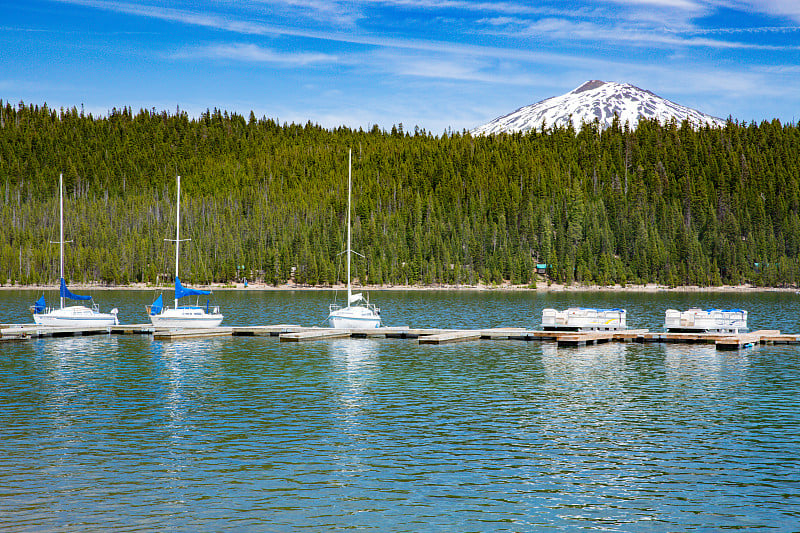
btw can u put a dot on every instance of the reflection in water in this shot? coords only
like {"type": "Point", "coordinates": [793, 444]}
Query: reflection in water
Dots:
{"type": "Point", "coordinates": [248, 433]}
{"type": "Point", "coordinates": [591, 362]}
{"type": "Point", "coordinates": [586, 379]}
{"type": "Point", "coordinates": [73, 364]}
{"type": "Point", "coordinates": [355, 362]}
{"type": "Point", "coordinates": [179, 367]}
{"type": "Point", "coordinates": [174, 360]}
{"type": "Point", "coordinates": [586, 393]}
{"type": "Point", "coordinates": [630, 422]}
{"type": "Point", "coordinates": [687, 363]}
{"type": "Point", "coordinates": [69, 357]}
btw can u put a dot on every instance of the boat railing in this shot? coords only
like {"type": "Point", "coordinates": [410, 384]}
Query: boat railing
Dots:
{"type": "Point", "coordinates": [584, 319]}
{"type": "Point", "coordinates": [48, 310]}
{"type": "Point", "coordinates": [709, 320]}
{"type": "Point", "coordinates": [207, 308]}
{"type": "Point", "coordinates": [363, 303]}
{"type": "Point", "coordinates": [213, 310]}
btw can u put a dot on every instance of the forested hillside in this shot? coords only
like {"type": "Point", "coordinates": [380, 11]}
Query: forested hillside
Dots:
{"type": "Point", "coordinates": [664, 204]}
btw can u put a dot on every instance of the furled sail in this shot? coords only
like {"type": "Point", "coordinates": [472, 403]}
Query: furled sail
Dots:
{"type": "Point", "coordinates": [65, 293]}
{"type": "Point", "coordinates": [181, 291]}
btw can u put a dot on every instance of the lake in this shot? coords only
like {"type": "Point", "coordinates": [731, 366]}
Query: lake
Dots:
{"type": "Point", "coordinates": [125, 433]}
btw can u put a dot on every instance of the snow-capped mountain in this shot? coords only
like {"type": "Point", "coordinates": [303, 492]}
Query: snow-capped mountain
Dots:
{"type": "Point", "coordinates": [601, 100]}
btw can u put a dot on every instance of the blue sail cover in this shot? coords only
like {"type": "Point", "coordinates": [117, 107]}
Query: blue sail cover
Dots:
{"type": "Point", "coordinates": [157, 306]}
{"type": "Point", "coordinates": [65, 293]}
{"type": "Point", "coordinates": [39, 305]}
{"type": "Point", "coordinates": [181, 291]}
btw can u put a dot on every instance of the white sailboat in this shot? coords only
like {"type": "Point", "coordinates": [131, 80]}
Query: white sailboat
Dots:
{"type": "Point", "coordinates": [186, 316]}
{"type": "Point", "coordinates": [359, 313]}
{"type": "Point", "coordinates": [73, 315]}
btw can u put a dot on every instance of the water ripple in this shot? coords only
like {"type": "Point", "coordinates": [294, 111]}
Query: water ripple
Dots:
{"type": "Point", "coordinates": [249, 434]}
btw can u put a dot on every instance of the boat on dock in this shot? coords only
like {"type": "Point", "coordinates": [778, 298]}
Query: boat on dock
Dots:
{"type": "Point", "coordinates": [72, 315]}
{"type": "Point", "coordinates": [186, 316]}
{"type": "Point", "coordinates": [697, 320]}
{"type": "Point", "coordinates": [584, 319]}
{"type": "Point", "coordinates": [358, 313]}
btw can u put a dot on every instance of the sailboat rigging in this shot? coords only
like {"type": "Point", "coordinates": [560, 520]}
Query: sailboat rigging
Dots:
{"type": "Point", "coordinates": [358, 313]}
{"type": "Point", "coordinates": [73, 315]}
{"type": "Point", "coordinates": [187, 316]}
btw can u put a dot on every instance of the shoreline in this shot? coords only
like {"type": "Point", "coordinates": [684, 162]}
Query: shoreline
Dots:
{"type": "Point", "coordinates": [540, 288]}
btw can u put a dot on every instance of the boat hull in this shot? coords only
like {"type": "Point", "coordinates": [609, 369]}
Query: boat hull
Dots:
{"type": "Point", "coordinates": [354, 318]}
{"type": "Point", "coordinates": [75, 316]}
{"type": "Point", "coordinates": [194, 317]}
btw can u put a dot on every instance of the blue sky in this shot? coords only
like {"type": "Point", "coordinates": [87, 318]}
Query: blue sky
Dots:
{"type": "Point", "coordinates": [435, 64]}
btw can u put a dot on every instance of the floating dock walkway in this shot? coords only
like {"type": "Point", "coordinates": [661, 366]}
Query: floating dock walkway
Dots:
{"type": "Point", "coordinates": [29, 331]}
{"type": "Point", "coordinates": [296, 333]}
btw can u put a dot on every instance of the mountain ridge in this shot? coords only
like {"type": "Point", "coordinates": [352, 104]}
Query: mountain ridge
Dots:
{"type": "Point", "coordinates": [601, 100]}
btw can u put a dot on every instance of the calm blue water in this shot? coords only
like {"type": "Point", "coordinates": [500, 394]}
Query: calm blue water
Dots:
{"type": "Point", "coordinates": [125, 433]}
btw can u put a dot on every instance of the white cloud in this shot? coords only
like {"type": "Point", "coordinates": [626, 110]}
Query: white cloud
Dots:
{"type": "Point", "coordinates": [559, 29]}
{"type": "Point", "coordinates": [256, 28]}
{"type": "Point", "coordinates": [252, 53]}
{"type": "Point", "coordinates": [511, 8]}
{"type": "Point", "coordinates": [684, 5]}
{"type": "Point", "coordinates": [328, 12]}
{"type": "Point", "coordinates": [780, 8]}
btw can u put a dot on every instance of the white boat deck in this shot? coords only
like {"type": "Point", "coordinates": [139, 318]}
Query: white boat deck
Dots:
{"type": "Point", "coordinates": [706, 321]}
{"type": "Point", "coordinates": [584, 319]}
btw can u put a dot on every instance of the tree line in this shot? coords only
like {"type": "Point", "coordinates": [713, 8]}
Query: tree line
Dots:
{"type": "Point", "coordinates": [667, 204]}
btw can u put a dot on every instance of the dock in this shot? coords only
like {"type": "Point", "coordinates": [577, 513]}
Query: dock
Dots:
{"type": "Point", "coordinates": [31, 331]}
{"type": "Point", "coordinates": [314, 335]}
{"type": "Point", "coordinates": [265, 331]}
{"type": "Point", "coordinates": [131, 329]}
{"type": "Point", "coordinates": [582, 339]}
{"type": "Point", "coordinates": [450, 336]}
{"type": "Point", "coordinates": [746, 340]}
{"type": "Point", "coordinates": [732, 341]}
{"type": "Point", "coordinates": [598, 337]}
{"type": "Point", "coordinates": [191, 333]}
{"type": "Point", "coordinates": [426, 336]}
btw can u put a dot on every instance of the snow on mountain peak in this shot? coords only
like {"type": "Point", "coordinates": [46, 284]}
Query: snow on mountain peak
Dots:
{"type": "Point", "coordinates": [600, 100]}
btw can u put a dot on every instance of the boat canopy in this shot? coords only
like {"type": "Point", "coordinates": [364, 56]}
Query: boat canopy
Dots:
{"type": "Point", "coordinates": [65, 293]}
{"type": "Point", "coordinates": [157, 306]}
{"type": "Point", "coordinates": [181, 291]}
{"type": "Point", "coordinates": [39, 305]}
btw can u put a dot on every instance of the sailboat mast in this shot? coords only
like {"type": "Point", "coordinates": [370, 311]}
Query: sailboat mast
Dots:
{"type": "Point", "coordinates": [349, 172]}
{"type": "Point", "coordinates": [61, 226]}
{"type": "Point", "coordinates": [177, 232]}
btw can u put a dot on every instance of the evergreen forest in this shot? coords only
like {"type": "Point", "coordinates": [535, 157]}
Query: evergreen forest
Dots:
{"type": "Point", "coordinates": [267, 201]}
